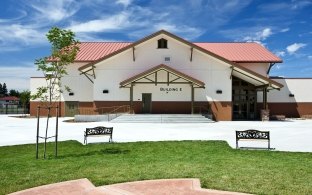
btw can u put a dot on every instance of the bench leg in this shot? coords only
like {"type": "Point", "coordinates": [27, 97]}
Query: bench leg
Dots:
{"type": "Point", "coordinates": [85, 140]}
{"type": "Point", "coordinates": [236, 144]}
{"type": "Point", "coordinates": [111, 138]}
{"type": "Point", "coordinates": [269, 145]}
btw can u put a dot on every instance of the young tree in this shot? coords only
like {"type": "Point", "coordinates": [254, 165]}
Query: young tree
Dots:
{"type": "Point", "coordinates": [25, 98]}
{"type": "Point", "coordinates": [64, 48]}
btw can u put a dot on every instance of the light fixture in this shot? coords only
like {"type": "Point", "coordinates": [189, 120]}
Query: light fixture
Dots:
{"type": "Point", "coordinates": [105, 91]}
{"type": "Point", "coordinates": [291, 95]}
{"type": "Point", "coordinates": [219, 91]}
{"type": "Point", "coordinates": [71, 93]}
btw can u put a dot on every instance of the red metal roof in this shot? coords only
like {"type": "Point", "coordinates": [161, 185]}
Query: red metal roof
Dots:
{"type": "Point", "coordinates": [9, 98]}
{"type": "Point", "coordinates": [241, 52]}
{"type": "Point", "coordinates": [235, 52]}
{"type": "Point", "coordinates": [91, 51]}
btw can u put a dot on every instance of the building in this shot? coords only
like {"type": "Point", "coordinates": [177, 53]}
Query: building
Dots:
{"type": "Point", "coordinates": [10, 101]}
{"type": "Point", "coordinates": [163, 73]}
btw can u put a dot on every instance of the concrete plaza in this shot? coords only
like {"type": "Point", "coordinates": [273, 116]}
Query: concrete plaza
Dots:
{"type": "Point", "coordinates": [289, 135]}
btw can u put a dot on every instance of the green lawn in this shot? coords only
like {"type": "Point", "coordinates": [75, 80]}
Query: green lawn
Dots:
{"type": "Point", "coordinates": [213, 162]}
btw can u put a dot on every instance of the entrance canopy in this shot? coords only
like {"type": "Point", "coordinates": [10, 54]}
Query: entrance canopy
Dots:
{"type": "Point", "coordinates": [254, 78]}
{"type": "Point", "coordinates": [172, 76]}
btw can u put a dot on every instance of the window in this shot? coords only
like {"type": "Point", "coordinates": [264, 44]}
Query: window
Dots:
{"type": "Point", "coordinates": [162, 44]}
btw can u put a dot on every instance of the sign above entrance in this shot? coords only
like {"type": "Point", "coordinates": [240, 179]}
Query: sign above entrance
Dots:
{"type": "Point", "coordinates": [169, 89]}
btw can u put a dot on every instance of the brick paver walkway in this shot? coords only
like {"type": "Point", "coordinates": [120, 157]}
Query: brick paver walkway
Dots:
{"type": "Point", "coordinates": [149, 187]}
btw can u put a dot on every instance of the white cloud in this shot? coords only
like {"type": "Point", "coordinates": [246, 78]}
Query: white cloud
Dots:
{"type": "Point", "coordinates": [259, 35]}
{"type": "Point", "coordinates": [187, 31]}
{"type": "Point", "coordinates": [125, 3]}
{"type": "Point", "coordinates": [13, 37]}
{"type": "Point", "coordinates": [291, 49]}
{"type": "Point", "coordinates": [114, 22]}
{"type": "Point", "coordinates": [280, 53]}
{"type": "Point", "coordinates": [285, 30]}
{"type": "Point", "coordinates": [300, 4]}
{"type": "Point", "coordinates": [310, 57]}
{"type": "Point", "coordinates": [18, 77]}
{"type": "Point", "coordinates": [22, 14]}
{"type": "Point", "coordinates": [55, 10]}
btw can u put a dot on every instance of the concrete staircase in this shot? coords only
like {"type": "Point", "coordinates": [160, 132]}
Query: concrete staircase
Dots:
{"type": "Point", "coordinates": [162, 118]}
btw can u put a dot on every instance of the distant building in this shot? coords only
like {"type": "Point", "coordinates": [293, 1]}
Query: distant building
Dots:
{"type": "Point", "coordinates": [163, 73]}
{"type": "Point", "coordinates": [9, 100]}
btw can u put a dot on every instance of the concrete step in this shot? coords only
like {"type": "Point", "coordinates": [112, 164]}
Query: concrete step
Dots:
{"type": "Point", "coordinates": [161, 118]}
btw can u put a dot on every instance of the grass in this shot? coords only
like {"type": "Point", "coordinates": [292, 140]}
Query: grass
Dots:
{"type": "Point", "coordinates": [216, 165]}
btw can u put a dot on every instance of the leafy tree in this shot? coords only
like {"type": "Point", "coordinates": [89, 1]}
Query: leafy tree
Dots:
{"type": "Point", "coordinates": [64, 48]}
{"type": "Point", "coordinates": [25, 98]}
{"type": "Point", "coordinates": [14, 92]}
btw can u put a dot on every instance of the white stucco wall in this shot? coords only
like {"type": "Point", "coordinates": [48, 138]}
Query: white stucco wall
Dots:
{"type": "Point", "coordinates": [260, 68]}
{"type": "Point", "coordinates": [213, 72]}
{"type": "Point", "coordinates": [79, 85]}
{"type": "Point", "coordinates": [301, 88]}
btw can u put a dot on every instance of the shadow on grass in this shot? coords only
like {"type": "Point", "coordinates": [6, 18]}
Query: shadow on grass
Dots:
{"type": "Point", "coordinates": [108, 151]}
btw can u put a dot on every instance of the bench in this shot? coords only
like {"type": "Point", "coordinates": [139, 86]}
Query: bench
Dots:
{"type": "Point", "coordinates": [98, 131]}
{"type": "Point", "coordinates": [252, 135]}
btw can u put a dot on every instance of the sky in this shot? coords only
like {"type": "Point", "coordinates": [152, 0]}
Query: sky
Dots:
{"type": "Point", "coordinates": [282, 26]}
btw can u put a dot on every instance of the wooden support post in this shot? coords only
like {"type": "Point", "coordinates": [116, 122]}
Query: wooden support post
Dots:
{"type": "Point", "coordinates": [131, 98]}
{"type": "Point", "coordinates": [192, 102]}
{"type": "Point", "coordinates": [265, 99]}
{"type": "Point", "coordinates": [133, 56]}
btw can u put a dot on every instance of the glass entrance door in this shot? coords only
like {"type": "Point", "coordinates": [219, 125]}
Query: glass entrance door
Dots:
{"type": "Point", "coordinates": [244, 99]}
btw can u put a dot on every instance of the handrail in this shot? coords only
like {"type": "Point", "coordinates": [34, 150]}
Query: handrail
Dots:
{"type": "Point", "coordinates": [103, 110]}
{"type": "Point", "coordinates": [127, 109]}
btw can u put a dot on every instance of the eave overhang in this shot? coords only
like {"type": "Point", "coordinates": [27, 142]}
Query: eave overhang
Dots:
{"type": "Point", "coordinates": [162, 67]}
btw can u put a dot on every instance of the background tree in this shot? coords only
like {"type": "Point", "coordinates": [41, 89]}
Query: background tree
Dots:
{"type": "Point", "coordinates": [1, 90]}
{"type": "Point", "coordinates": [4, 90]}
{"type": "Point", "coordinates": [64, 48]}
{"type": "Point", "coordinates": [25, 99]}
{"type": "Point", "coordinates": [14, 92]}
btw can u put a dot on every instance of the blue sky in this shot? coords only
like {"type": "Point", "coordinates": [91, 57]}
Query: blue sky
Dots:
{"type": "Point", "coordinates": [282, 26]}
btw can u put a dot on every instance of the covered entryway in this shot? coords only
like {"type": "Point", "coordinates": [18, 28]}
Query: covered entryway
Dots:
{"type": "Point", "coordinates": [168, 80]}
{"type": "Point", "coordinates": [245, 85]}
{"type": "Point", "coordinates": [244, 98]}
